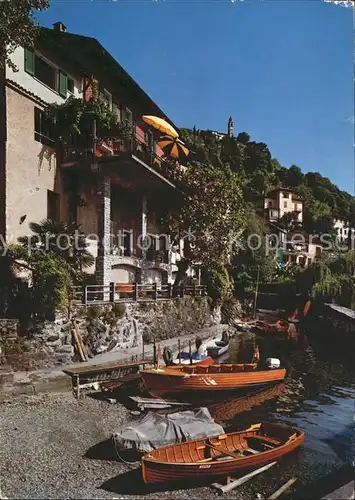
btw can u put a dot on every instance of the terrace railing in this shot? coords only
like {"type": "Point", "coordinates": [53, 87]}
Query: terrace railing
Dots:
{"type": "Point", "coordinates": [164, 166]}
{"type": "Point", "coordinates": [81, 153]}
{"type": "Point", "coordinates": [134, 292]}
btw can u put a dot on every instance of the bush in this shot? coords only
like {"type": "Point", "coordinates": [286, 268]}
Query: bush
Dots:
{"type": "Point", "coordinates": [219, 285]}
{"type": "Point", "coordinates": [52, 284]}
{"type": "Point", "coordinates": [49, 291]}
{"type": "Point", "coordinates": [145, 306]}
{"type": "Point", "coordinates": [230, 310]}
{"type": "Point", "coordinates": [93, 312]}
{"type": "Point", "coordinates": [119, 310]}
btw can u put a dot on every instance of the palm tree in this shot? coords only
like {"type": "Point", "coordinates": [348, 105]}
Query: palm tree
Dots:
{"type": "Point", "coordinates": [65, 240]}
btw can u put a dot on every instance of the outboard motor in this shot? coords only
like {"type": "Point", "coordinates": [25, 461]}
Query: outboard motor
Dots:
{"type": "Point", "coordinates": [273, 363]}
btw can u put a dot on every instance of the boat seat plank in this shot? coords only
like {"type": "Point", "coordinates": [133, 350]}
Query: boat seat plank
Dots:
{"type": "Point", "coordinates": [223, 451]}
{"type": "Point", "coordinates": [266, 439]}
{"type": "Point", "coordinates": [251, 451]}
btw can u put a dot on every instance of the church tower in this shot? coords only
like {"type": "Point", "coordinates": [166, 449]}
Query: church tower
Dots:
{"type": "Point", "coordinates": [230, 127]}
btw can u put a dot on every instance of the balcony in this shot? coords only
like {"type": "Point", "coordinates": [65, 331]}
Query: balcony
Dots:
{"type": "Point", "coordinates": [272, 214]}
{"type": "Point", "coordinates": [158, 256]}
{"type": "Point", "coordinates": [121, 150]}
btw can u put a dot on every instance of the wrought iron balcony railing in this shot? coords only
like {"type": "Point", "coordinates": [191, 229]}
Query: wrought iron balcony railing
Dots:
{"type": "Point", "coordinates": [85, 154]}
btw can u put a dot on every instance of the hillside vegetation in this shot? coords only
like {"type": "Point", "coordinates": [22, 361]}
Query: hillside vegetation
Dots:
{"type": "Point", "coordinates": [259, 172]}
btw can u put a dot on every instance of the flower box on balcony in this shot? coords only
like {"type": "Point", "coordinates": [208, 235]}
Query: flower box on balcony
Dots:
{"type": "Point", "coordinates": [124, 288]}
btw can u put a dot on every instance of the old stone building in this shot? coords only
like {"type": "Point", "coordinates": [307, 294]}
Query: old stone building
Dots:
{"type": "Point", "coordinates": [118, 198]}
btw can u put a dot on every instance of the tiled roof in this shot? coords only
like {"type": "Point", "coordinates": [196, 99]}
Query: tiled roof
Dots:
{"type": "Point", "coordinates": [33, 96]}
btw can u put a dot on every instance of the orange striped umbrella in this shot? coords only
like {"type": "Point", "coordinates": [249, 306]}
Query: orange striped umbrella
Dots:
{"type": "Point", "coordinates": [173, 146]}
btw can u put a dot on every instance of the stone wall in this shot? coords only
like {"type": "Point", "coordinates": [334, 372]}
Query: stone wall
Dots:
{"type": "Point", "coordinates": [120, 326]}
{"type": "Point", "coordinates": [105, 328]}
{"type": "Point", "coordinates": [46, 344]}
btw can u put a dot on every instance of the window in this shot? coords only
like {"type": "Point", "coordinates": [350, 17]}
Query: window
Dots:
{"type": "Point", "coordinates": [285, 204]}
{"type": "Point", "coordinates": [129, 116]}
{"type": "Point", "coordinates": [46, 73]}
{"type": "Point", "coordinates": [53, 205]}
{"type": "Point", "coordinates": [127, 243]}
{"type": "Point", "coordinates": [71, 85]}
{"type": "Point", "coordinates": [115, 110]}
{"type": "Point", "coordinates": [43, 128]}
{"type": "Point", "coordinates": [106, 97]}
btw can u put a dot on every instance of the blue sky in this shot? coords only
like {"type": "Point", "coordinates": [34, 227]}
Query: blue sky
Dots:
{"type": "Point", "coordinates": [282, 68]}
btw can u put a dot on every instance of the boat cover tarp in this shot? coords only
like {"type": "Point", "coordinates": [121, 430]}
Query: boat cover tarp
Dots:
{"type": "Point", "coordinates": [154, 431]}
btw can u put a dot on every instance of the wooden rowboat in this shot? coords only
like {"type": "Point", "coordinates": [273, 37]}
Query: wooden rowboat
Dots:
{"type": "Point", "coordinates": [204, 379]}
{"type": "Point", "coordinates": [280, 327]}
{"type": "Point", "coordinates": [222, 455]}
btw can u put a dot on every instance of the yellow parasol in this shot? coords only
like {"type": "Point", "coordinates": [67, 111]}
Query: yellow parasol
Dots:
{"type": "Point", "coordinates": [173, 146]}
{"type": "Point", "coordinates": [160, 124]}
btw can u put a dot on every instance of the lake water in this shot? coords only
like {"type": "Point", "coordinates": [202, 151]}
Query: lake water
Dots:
{"type": "Point", "coordinates": [317, 397]}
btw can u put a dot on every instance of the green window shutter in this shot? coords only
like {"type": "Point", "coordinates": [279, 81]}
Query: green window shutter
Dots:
{"type": "Point", "coordinates": [29, 62]}
{"type": "Point", "coordinates": [114, 109]}
{"type": "Point", "coordinates": [63, 84]}
{"type": "Point", "coordinates": [123, 115]}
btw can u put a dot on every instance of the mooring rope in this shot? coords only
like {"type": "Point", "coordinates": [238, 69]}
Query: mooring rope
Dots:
{"type": "Point", "coordinates": [119, 456]}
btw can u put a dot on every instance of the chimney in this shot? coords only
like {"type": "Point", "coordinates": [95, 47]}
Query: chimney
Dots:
{"type": "Point", "coordinates": [59, 27]}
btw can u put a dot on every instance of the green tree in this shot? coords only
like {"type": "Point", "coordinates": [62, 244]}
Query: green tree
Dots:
{"type": "Point", "coordinates": [66, 241]}
{"type": "Point", "coordinates": [253, 256]}
{"type": "Point", "coordinates": [259, 170]}
{"type": "Point", "coordinates": [209, 215]}
{"type": "Point", "coordinates": [243, 138]}
{"type": "Point", "coordinates": [289, 221]}
{"type": "Point", "coordinates": [47, 288]}
{"type": "Point", "coordinates": [18, 26]}
{"type": "Point", "coordinates": [294, 176]}
{"type": "Point", "coordinates": [232, 154]}
{"type": "Point", "coordinates": [330, 279]}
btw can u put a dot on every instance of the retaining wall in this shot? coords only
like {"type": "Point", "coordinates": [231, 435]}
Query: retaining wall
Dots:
{"type": "Point", "coordinates": [104, 328]}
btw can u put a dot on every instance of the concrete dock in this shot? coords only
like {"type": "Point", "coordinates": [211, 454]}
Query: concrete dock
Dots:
{"type": "Point", "coordinates": [346, 492]}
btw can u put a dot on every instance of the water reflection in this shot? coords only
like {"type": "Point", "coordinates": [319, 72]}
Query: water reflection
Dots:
{"type": "Point", "coordinates": [225, 411]}
{"type": "Point", "coordinates": [317, 397]}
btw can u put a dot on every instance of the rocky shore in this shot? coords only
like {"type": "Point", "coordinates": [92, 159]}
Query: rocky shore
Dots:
{"type": "Point", "coordinates": [53, 446]}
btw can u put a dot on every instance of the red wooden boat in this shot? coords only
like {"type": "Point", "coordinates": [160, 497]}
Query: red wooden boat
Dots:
{"type": "Point", "coordinates": [280, 327]}
{"type": "Point", "coordinates": [204, 379]}
{"type": "Point", "coordinates": [222, 455]}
